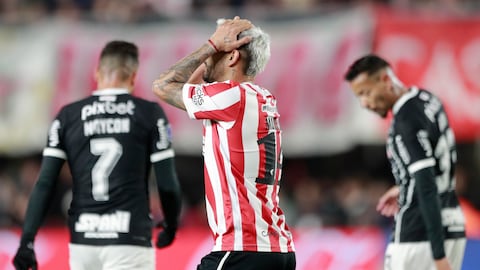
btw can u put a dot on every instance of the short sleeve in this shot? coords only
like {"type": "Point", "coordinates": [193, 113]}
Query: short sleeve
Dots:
{"type": "Point", "coordinates": [215, 101]}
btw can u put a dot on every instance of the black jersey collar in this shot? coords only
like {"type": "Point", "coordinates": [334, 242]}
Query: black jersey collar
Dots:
{"type": "Point", "coordinates": [110, 91]}
{"type": "Point", "coordinates": [413, 91]}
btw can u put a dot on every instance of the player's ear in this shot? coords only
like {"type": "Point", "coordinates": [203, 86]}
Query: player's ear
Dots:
{"type": "Point", "coordinates": [384, 77]}
{"type": "Point", "coordinates": [96, 75]}
{"type": "Point", "coordinates": [132, 78]}
{"type": "Point", "coordinates": [233, 58]}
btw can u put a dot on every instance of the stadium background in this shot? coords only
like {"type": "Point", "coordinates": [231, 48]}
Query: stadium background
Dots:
{"type": "Point", "coordinates": [335, 166]}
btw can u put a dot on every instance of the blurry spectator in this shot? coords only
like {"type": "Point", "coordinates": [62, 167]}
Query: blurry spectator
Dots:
{"type": "Point", "coordinates": [21, 11]}
{"type": "Point", "coordinates": [353, 198]}
{"type": "Point", "coordinates": [67, 9]}
{"type": "Point", "coordinates": [125, 11]}
{"type": "Point", "coordinates": [113, 11]}
{"type": "Point", "coordinates": [7, 195]}
{"type": "Point", "coordinates": [307, 195]}
{"type": "Point", "coordinates": [358, 196]}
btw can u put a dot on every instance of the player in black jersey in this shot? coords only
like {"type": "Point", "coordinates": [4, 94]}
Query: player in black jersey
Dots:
{"type": "Point", "coordinates": [110, 141]}
{"type": "Point", "coordinates": [429, 230]}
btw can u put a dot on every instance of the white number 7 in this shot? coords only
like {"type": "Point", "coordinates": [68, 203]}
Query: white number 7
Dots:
{"type": "Point", "coordinates": [110, 151]}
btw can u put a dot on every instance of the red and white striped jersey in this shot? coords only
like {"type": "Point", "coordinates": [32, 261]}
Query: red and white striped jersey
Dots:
{"type": "Point", "coordinates": [243, 159]}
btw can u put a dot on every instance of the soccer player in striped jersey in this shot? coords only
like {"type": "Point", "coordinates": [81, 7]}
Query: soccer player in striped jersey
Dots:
{"type": "Point", "coordinates": [241, 146]}
{"type": "Point", "coordinates": [110, 140]}
{"type": "Point", "coordinates": [429, 231]}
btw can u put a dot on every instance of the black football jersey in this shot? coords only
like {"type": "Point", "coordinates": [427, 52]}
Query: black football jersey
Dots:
{"type": "Point", "coordinates": [420, 137]}
{"type": "Point", "coordinates": [110, 140]}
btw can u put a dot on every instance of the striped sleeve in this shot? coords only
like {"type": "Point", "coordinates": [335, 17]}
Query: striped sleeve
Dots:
{"type": "Point", "coordinates": [216, 101]}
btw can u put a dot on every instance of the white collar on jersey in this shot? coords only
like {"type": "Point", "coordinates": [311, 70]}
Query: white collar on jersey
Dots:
{"type": "Point", "coordinates": [110, 91]}
{"type": "Point", "coordinates": [404, 98]}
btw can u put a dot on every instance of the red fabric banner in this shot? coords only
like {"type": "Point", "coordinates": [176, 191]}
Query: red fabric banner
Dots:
{"type": "Point", "coordinates": [317, 248]}
{"type": "Point", "coordinates": [438, 53]}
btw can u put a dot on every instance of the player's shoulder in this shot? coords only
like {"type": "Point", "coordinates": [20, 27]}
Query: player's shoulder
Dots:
{"type": "Point", "coordinates": [147, 109]}
{"type": "Point", "coordinates": [414, 109]}
{"type": "Point", "coordinates": [416, 101]}
{"type": "Point", "coordinates": [76, 105]}
{"type": "Point", "coordinates": [145, 104]}
{"type": "Point", "coordinates": [143, 101]}
{"type": "Point", "coordinates": [425, 96]}
{"type": "Point", "coordinates": [409, 103]}
{"type": "Point", "coordinates": [218, 87]}
{"type": "Point", "coordinates": [257, 88]}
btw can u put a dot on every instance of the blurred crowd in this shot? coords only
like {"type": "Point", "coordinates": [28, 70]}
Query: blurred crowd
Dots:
{"type": "Point", "coordinates": [126, 11]}
{"type": "Point", "coordinates": [316, 191]}
{"type": "Point", "coordinates": [334, 190]}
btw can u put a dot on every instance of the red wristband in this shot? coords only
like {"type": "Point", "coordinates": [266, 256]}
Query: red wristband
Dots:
{"type": "Point", "coordinates": [213, 45]}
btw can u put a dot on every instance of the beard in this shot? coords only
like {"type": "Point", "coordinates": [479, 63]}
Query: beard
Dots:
{"type": "Point", "coordinates": [207, 79]}
{"type": "Point", "coordinates": [382, 114]}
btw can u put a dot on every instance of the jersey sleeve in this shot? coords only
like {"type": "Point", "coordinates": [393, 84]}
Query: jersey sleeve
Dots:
{"type": "Point", "coordinates": [216, 101]}
{"type": "Point", "coordinates": [415, 148]}
{"type": "Point", "coordinates": [414, 143]}
{"type": "Point", "coordinates": [55, 140]}
{"type": "Point", "coordinates": [161, 143]}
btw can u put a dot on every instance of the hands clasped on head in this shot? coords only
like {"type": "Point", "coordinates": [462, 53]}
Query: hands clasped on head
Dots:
{"type": "Point", "coordinates": [225, 37]}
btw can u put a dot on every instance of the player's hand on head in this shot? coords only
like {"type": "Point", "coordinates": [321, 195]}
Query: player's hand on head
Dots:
{"type": "Point", "coordinates": [225, 37]}
{"type": "Point", "coordinates": [166, 236]}
{"type": "Point", "coordinates": [25, 257]}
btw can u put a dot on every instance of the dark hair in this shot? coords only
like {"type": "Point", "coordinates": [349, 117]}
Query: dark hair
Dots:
{"type": "Point", "coordinates": [370, 63]}
{"type": "Point", "coordinates": [120, 49]}
{"type": "Point", "coordinates": [119, 56]}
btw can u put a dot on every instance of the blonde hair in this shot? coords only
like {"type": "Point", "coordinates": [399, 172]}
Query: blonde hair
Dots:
{"type": "Point", "coordinates": [258, 49]}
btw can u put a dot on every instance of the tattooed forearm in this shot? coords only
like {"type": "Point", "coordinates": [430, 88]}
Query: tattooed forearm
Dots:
{"type": "Point", "coordinates": [169, 94]}
{"type": "Point", "coordinates": [169, 84]}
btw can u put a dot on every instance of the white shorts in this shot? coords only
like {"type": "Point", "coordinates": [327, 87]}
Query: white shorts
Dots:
{"type": "Point", "coordinates": [112, 257]}
{"type": "Point", "coordinates": [418, 255]}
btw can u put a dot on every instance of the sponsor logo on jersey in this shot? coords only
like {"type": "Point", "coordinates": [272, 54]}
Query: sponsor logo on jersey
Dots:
{"type": "Point", "coordinates": [197, 98]}
{"type": "Point", "coordinates": [453, 219]}
{"type": "Point", "coordinates": [422, 137]}
{"type": "Point", "coordinates": [164, 134]}
{"type": "Point", "coordinates": [121, 108]}
{"type": "Point", "coordinates": [54, 138]}
{"type": "Point", "coordinates": [270, 106]}
{"type": "Point", "coordinates": [402, 150]}
{"type": "Point", "coordinates": [103, 226]}
{"type": "Point", "coordinates": [424, 96]}
{"type": "Point", "coordinates": [272, 123]}
{"type": "Point", "coordinates": [442, 121]}
{"type": "Point", "coordinates": [273, 234]}
{"type": "Point", "coordinates": [431, 108]}
{"type": "Point", "coordinates": [398, 169]}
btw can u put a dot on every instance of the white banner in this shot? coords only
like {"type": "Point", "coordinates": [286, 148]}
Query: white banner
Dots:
{"type": "Point", "coordinates": [48, 65]}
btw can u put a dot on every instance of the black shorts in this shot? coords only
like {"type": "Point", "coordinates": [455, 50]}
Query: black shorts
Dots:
{"type": "Point", "coordinates": [246, 260]}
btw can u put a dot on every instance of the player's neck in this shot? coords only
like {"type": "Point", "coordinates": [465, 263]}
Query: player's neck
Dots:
{"type": "Point", "coordinates": [114, 79]}
{"type": "Point", "coordinates": [114, 84]}
{"type": "Point", "coordinates": [399, 90]}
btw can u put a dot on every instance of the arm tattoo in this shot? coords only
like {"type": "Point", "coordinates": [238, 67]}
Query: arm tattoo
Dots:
{"type": "Point", "coordinates": [169, 84]}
